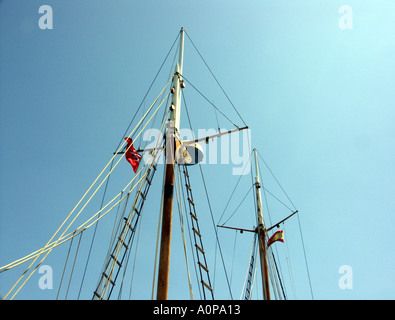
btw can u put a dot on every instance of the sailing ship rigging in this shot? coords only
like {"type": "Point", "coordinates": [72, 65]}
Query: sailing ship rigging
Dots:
{"type": "Point", "coordinates": [179, 158]}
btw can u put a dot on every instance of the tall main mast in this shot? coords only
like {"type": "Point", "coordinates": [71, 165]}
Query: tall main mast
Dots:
{"type": "Point", "coordinates": [167, 213]}
{"type": "Point", "coordinates": [261, 233]}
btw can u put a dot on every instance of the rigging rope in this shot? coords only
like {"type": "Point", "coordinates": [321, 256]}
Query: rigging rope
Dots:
{"type": "Point", "coordinates": [215, 78]}
{"type": "Point", "coordinates": [210, 102]}
{"type": "Point", "coordinates": [117, 225]}
{"type": "Point", "coordinates": [215, 230]}
{"type": "Point", "coordinates": [62, 238]}
{"type": "Point", "coordinates": [234, 189]}
{"type": "Point", "coordinates": [274, 277]}
{"type": "Point", "coordinates": [72, 269]}
{"type": "Point", "coordinates": [191, 245]}
{"type": "Point", "coordinates": [149, 89]}
{"type": "Point", "coordinates": [130, 225]}
{"type": "Point", "coordinates": [233, 257]}
{"type": "Point", "coordinates": [180, 211]}
{"type": "Point", "coordinates": [305, 258]}
{"type": "Point", "coordinates": [278, 274]}
{"type": "Point", "coordinates": [134, 262]}
{"type": "Point", "coordinates": [211, 213]}
{"type": "Point", "coordinates": [300, 227]}
{"type": "Point", "coordinates": [251, 271]}
{"type": "Point", "coordinates": [288, 258]}
{"type": "Point", "coordinates": [81, 201]}
{"type": "Point", "coordinates": [74, 233]}
{"type": "Point", "coordinates": [94, 235]}
{"type": "Point", "coordinates": [198, 242]}
{"type": "Point", "coordinates": [128, 257]}
{"type": "Point", "coordinates": [141, 103]}
{"type": "Point", "coordinates": [153, 81]}
{"type": "Point", "coordinates": [161, 131]}
{"type": "Point", "coordinates": [249, 190]}
{"type": "Point", "coordinates": [271, 172]}
{"type": "Point", "coordinates": [64, 268]}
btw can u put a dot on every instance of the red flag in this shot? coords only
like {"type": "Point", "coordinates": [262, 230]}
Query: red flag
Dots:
{"type": "Point", "coordinates": [131, 155]}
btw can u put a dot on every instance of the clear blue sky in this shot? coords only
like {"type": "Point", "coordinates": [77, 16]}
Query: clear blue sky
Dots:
{"type": "Point", "coordinates": [319, 100]}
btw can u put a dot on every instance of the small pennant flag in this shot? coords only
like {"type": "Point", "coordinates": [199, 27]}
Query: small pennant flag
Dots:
{"type": "Point", "coordinates": [277, 236]}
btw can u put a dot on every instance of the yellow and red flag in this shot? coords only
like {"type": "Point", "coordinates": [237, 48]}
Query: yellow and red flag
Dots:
{"type": "Point", "coordinates": [277, 236]}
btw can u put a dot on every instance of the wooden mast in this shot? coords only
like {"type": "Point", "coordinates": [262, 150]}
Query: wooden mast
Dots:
{"type": "Point", "coordinates": [261, 230]}
{"type": "Point", "coordinates": [167, 211]}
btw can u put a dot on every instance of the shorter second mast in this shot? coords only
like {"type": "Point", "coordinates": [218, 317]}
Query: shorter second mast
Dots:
{"type": "Point", "coordinates": [261, 230]}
